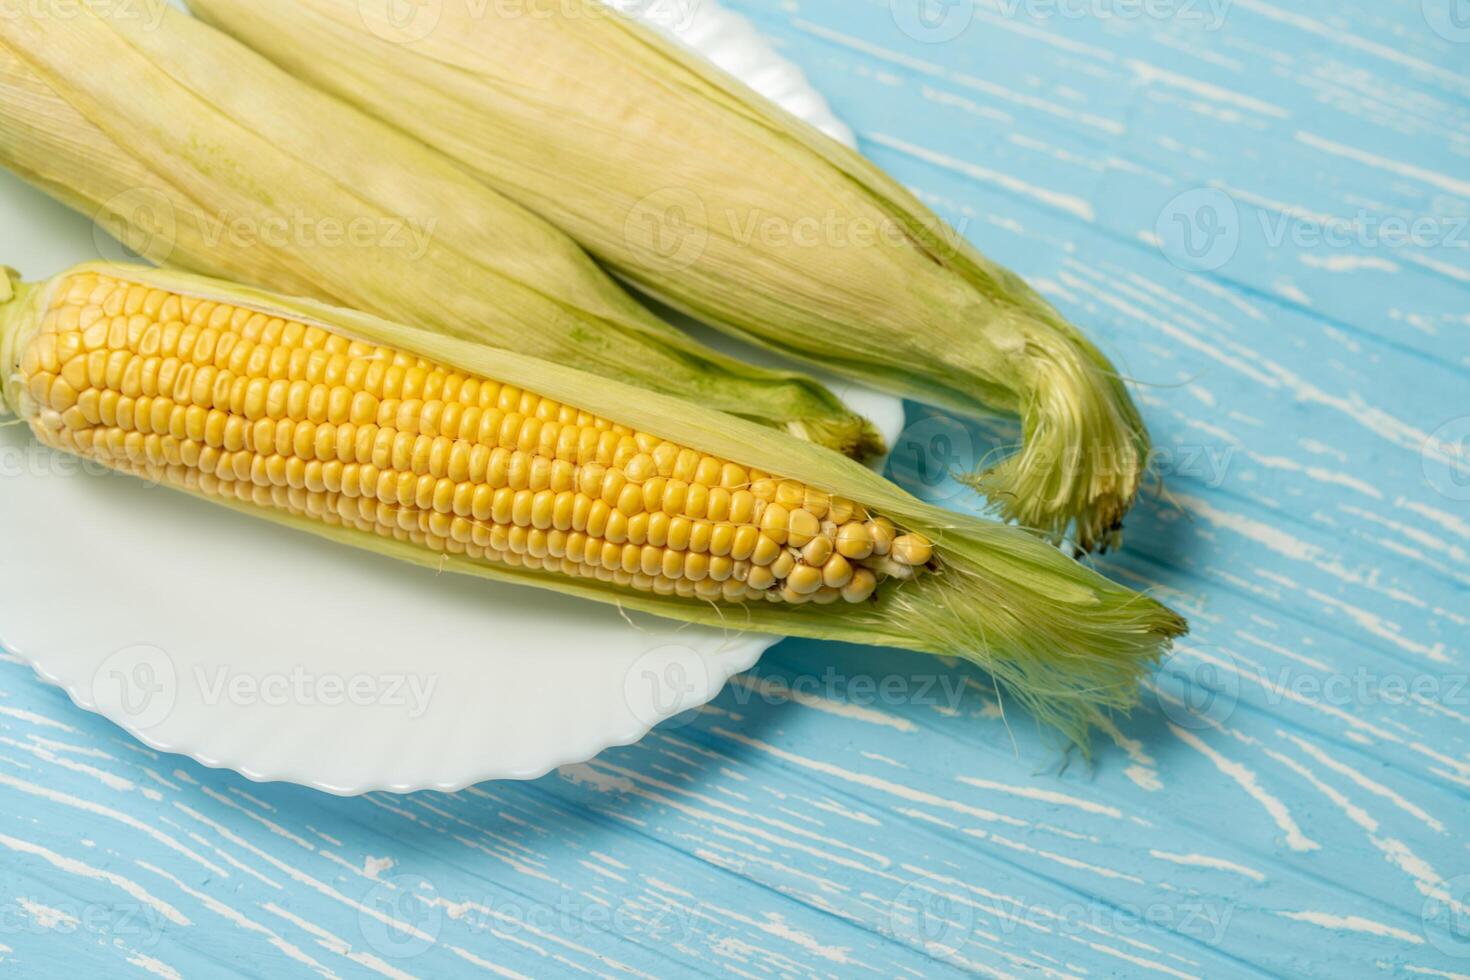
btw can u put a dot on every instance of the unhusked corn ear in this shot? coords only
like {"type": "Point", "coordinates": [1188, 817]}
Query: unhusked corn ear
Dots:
{"type": "Point", "coordinates": [228, 402]}
{"type": "Point", "coordinates": [486, 462]}
{"type": "Point", "coordinates": [201, 154]}
{"type": "Point", "coordinates": [856, 274]}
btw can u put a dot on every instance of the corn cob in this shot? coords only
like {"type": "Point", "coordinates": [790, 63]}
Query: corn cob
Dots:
{"type": "Point", "coordinates": [203, 155]}
{"type": "Point", "coordinates": [689, 185]}
{"type": "Point", "coordinates": [400, 441]}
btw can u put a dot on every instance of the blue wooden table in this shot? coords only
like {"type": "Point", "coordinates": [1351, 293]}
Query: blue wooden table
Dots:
{"type": "Point", "coordinates": [1262, 209]}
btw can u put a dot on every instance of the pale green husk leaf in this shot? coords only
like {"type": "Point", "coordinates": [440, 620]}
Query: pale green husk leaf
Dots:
{"type": "Point", "coordinates": [1063, 640]}
{"type": "Point", "coordinates": [201, 154]}
{"type": "Point", "coordinates": [685, 182]}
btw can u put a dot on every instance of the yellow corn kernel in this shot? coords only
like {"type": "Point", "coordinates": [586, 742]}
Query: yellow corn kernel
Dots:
{"type": "Point", "coordinates": [219, 399]}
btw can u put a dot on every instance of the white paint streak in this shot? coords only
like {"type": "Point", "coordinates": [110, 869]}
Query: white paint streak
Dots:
{"type": "Point", "coordinates": [1353, 923]}
{"type": "Point", "coordinates": [45, 916]}
{"type": "Point", "coordinates": [127, 820]}
{"type": "Point", "coordinates": [1205, 861]}
{"type": "Point", "coordinates": [1349, 263]}
{"type": "Point", "coordinates": [1149, 74]}
{"type": "Point", "coordinates": [1064, 202]}
{"type": "Point", "coordinates": [1044, 796]}
{"type": "Point", "coordinates": [81, 870]}
{"type": "Point", "coordinates": [154, 966]}
{"type": "Point", "coordinates": [1444, 182]}
{"type": "Point", "coordinates": [872, 782]}
{"type": "Point", "coordinates": [338, 945]}
{"type": "Point", "coordinates": [241, 921]}
{"type": "Point", "coordinates": [485, 964]}
{"type": "Point", "coordinates": [1376, 788]}
{"type": "Point", "coordinates": [303, 878]}
{"type": "Point", "coordinates": [1280, 815]}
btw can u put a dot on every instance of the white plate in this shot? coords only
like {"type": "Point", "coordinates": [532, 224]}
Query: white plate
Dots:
{"type": "Point", "coordinates": [238, 643]}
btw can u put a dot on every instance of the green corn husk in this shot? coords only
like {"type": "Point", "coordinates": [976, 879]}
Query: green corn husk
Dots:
{"type": "Point", "coordinates": [203, 155]}
{"type": "Point", "coordinates": [1061, 639]}
{"type": "Point", "coordinates": [692, 187]}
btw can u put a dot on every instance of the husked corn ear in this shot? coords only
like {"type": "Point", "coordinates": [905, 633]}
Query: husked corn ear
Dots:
{"type": "Point", "coordinates": [682, 169]}
{"type": "Point", "coordinates": [485, 462]}
{"type": "Point", "coordinates": [229, 402]}
{"type": "Point", "coordinates": [201, 154]}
